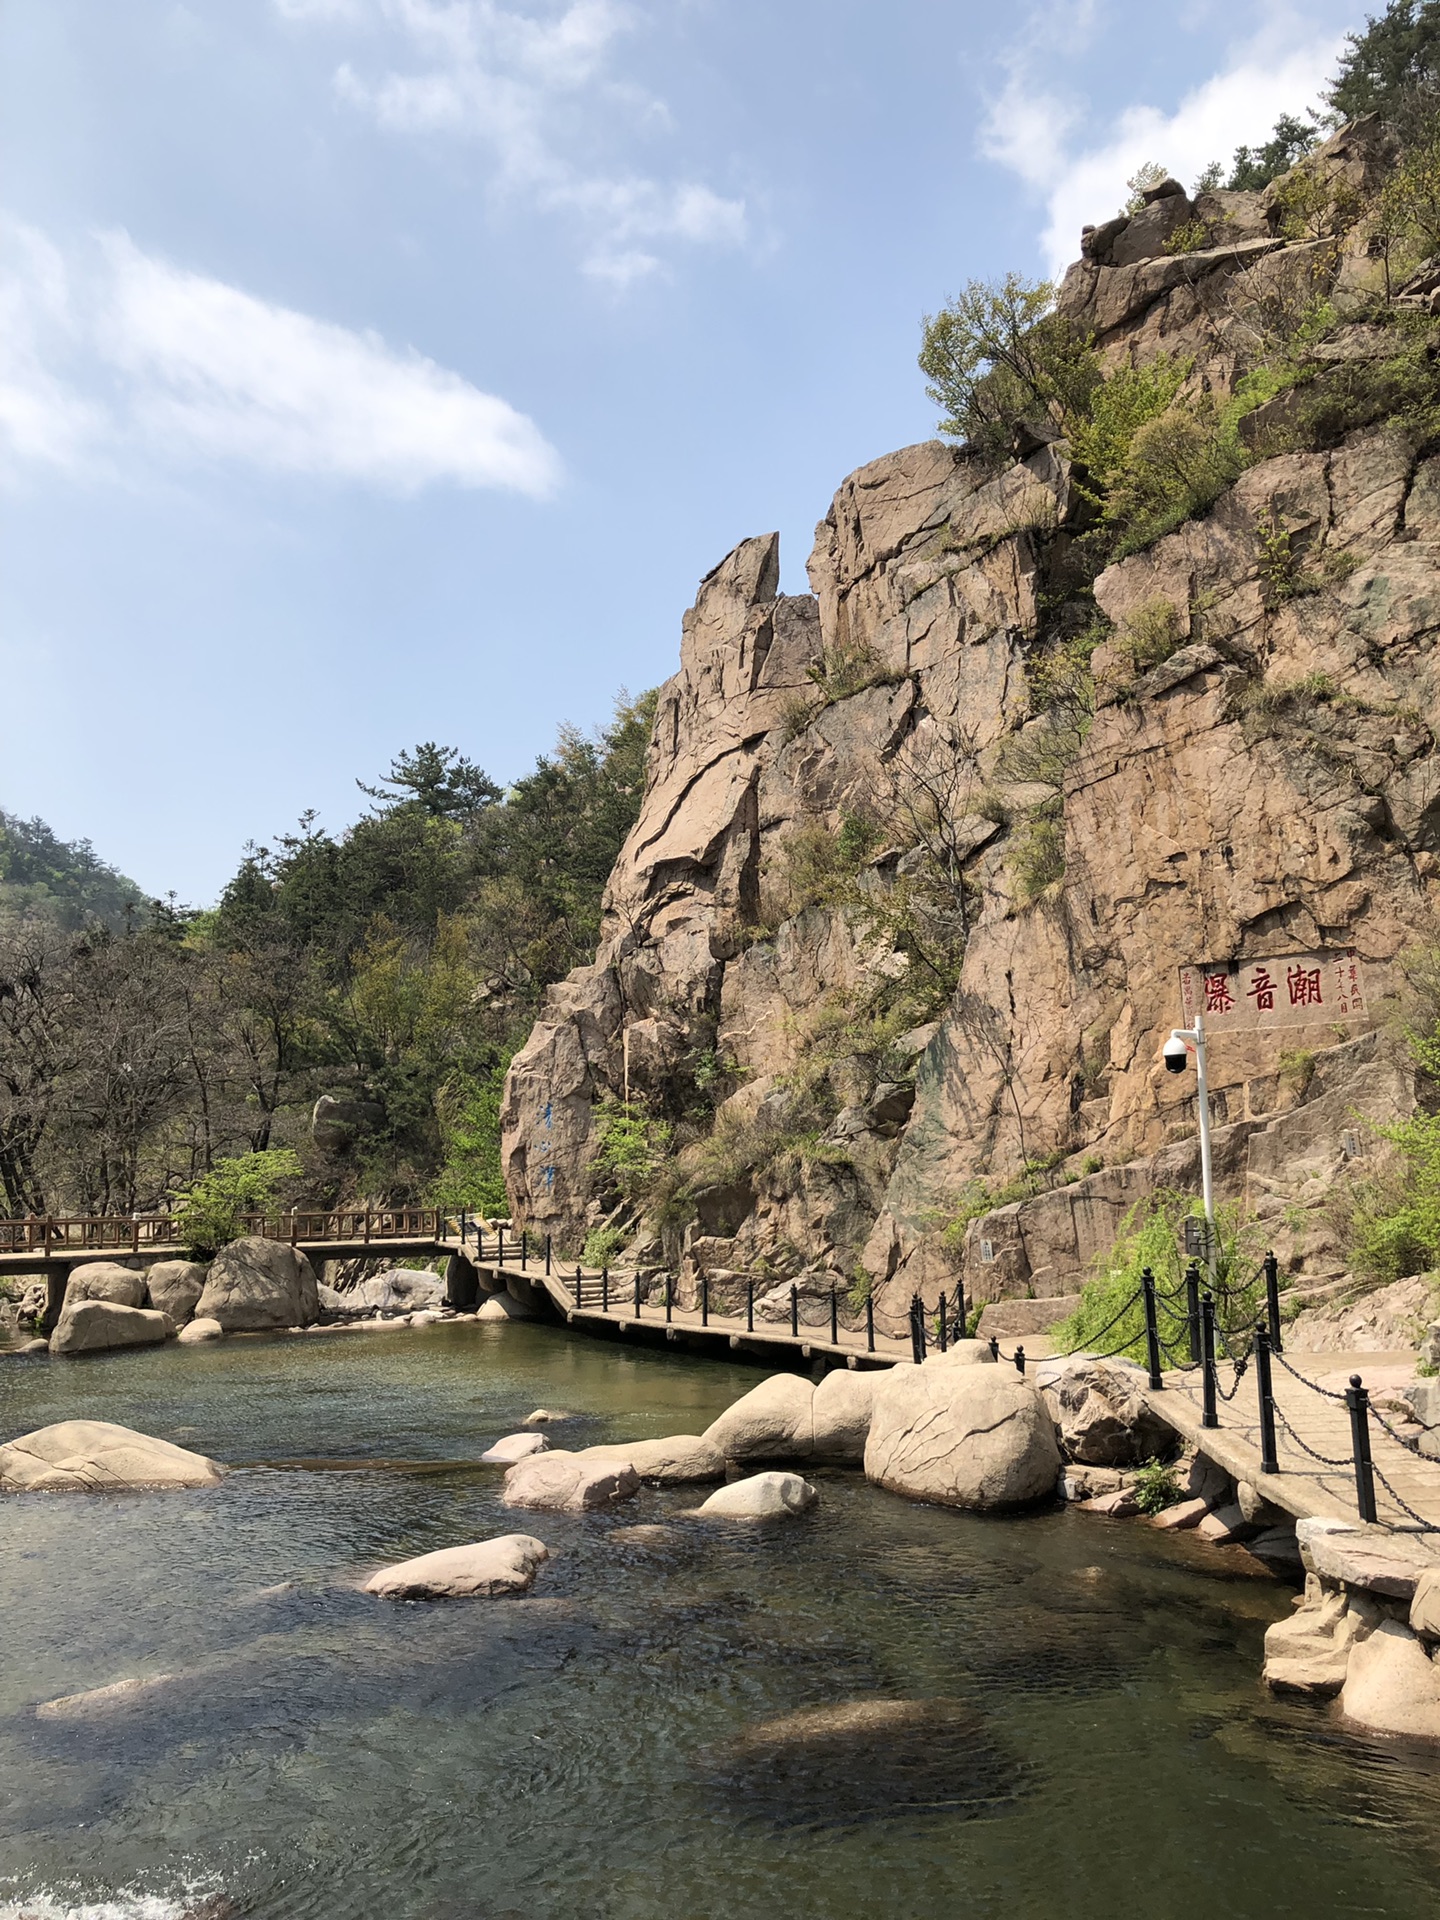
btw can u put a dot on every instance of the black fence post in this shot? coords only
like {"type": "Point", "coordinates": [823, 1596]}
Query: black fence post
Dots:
{"type": "Point", "coordinates": [960, 1310]}
{"type": "Point", "coordinates": [834, 1318]}
{"type": "Point", "coordinates": [1208, 1416]}
{"type": "Point", "coordinates": [524, 1249]}
{"type": "Point", "coordinates": [500, 1246]}
{"type": "Point", "coordinates": [994, 1346]}
{"type": "Point", "coordinates": [669, 1295]}
{"type": "Point", "coordinates": [1269, 1459]}
{"type": "Point", "coordinates": [1152, 1330]}
{"type": "Point", "coordinates": [547, 1256]}
{"type": "Point", "coordinates": [794, 1311]}
{"type": "Point", "coordinates": [604, 1289]}
{"type": "Point", "coordinates": [1192, 1310]}
{"type": "Point", "coordinates": [704, 1299]}
{"type": "Point", "coordinates": [749, 1306]}
{"type": "Point", "coordinates": [1357, 1398]}
{"type": "Point", "coordinates": [1272, 1301]}
{"type": "Point", "coordinates": [917, 1330]}
{"type": "Point", "coordinates": [637, 1296]}
{"type": "Point", "coordinates": [1020, 1359]}
{"type": "Point", "coordinates": [940, 1328]}
{"type": "Point", "coordinates": [869, 1323]}
{"type": "Point", "coordinates": [579, 1288]}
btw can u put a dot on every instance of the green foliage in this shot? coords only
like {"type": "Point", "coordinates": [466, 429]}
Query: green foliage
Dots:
{"type": "Point", "coordinates": [979, 1197]}
{"type": "Point", "coordinates": [1191, 236]}
{"type": "Point", "coordinates": [1297, 1068]}
{"type": "Point", "coordinates": [1119, 406]}
{"type": "Point", "coordinates": [998, 353]}
{"type": "Point", "coordinates": [1156, 1487]}
{"type": "Point", "coordinates": [64, 881]}
{"type": "Point", "coordinates": [601, 1246]}
{"type": "Point", "coordinates": [1391, 1220]}
{"type": "Point", "coordinates": [1410, 201]}
{"type": "Point", "coordinates": [1151, 633]}
{"type": "Point", "coordinates": [468, 1106]}
{"type": "Point", "coordinates": [1151, 1236]}
{"type": "Point", "coordinates": [631, 1145]}
{"type": "Point", "coordinates": [209, 1214]}
{"type": "Point", "coordinates": [1255, 167]}
{"type": "Point", "coordinates": [1145, 176]}
{"type": "Point", "coordinates": [1391, 68]}
{"type": "Point", "coordinates": [1309, 204]}
{"type": "Point", "coordinates": [1038, 854]}
{"type": "Point", "coordinates": [1177, 465]}
{"type": "Point", "coordinates": [849, 666]}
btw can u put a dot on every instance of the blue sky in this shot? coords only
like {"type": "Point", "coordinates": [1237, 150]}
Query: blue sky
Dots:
{"type": "Point", "coordinates": [374, 371]}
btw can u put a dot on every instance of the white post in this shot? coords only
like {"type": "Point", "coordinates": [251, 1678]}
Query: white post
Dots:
{"type": "Point", "coordinates": [1207, 1182]}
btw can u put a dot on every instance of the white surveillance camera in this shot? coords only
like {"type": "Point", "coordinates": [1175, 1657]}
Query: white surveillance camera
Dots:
{"type": "Point", "coordinates": [1176, 1054]}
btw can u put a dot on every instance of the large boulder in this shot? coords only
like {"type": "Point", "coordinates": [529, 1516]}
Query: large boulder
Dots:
{"type": "Point", "coordinates": [105, 1280]}
{"type": "Point", "coordinates": [774, 1421]}
{"type": "Point", "coordinates": [196, 1332]}
{"type": "Point", "coordinates": [840, 1417]}
{"type": "Point", "coordinates": [92, 1326]}
{"type": "Point", "coordinates": [397, 1290]}
{"type": "Point", "coordinates": [1392, 1685]}
{"type": "Point", "coordinates": [174, 1287]}
{"type": "Point", "coordinates": [764, 1496]}
{"type": "Point", "coordinates": [978, 1437]}
{"type": "Point", "coordinates": [678, 1459]}
{"type": "Point", "coordinates": [506, 1564]}
{"type": "Point", "coordinates": [1104, 1417]}
{"type": "Point", "coordinates": [96, 1456]}
{"type": "Point", "coordinates": [1310, 1651]}
{"type": "Point", "coordinates": [565, 1483]}
{"type": "Point", "coordinates": [256, 1284]}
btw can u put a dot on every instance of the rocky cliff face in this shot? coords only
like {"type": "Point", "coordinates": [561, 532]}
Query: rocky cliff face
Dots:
{"type": "Point", "coordinates": [844, 786]}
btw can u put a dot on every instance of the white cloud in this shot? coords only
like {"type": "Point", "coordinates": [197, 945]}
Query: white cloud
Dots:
{"type": "Point", "coordinates": [1033, 130]}
{"type": "Point", "coordinates": [539, 94]}
{"type": "Point", "coordinates": [146, 357]}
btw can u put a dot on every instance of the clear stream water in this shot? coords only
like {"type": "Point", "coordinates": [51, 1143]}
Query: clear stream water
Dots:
{"type": "Point", "coordinates": [1110, 1750]}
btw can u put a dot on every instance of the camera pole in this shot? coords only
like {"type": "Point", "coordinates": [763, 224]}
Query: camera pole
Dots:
{"type": "Point", "coordinates": [1195, 1037]}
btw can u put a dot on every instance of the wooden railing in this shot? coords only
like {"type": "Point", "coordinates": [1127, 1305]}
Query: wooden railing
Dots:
{"type": "Point", "coordinates": [93, 1233]}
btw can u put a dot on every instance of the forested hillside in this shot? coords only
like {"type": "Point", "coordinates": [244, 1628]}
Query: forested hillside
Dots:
{"type": "Point", "coordinates": [387, 972]}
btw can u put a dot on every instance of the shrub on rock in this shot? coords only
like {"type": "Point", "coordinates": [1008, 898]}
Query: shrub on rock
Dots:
{"type": "Point", "coordinates": [978, 1437]}
{"type": "Point", "coordinates": [254, 1285]}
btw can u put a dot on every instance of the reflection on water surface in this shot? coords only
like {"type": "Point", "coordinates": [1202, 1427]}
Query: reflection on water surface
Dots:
{"type": "Point", "coordinates": [654, 1731]}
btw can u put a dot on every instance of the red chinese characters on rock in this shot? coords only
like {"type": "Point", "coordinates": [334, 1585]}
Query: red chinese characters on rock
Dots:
{"type": "Point", "coordinates": [1286, 990]}
{"type": "Point", "coordinates": [1218, 997]}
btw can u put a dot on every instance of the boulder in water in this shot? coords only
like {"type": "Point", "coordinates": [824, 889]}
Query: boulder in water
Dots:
{"type": "Point", "coordinates": [840, 1417]}
{"type": "Point", "coordinates": [105, 1280]}
{"type": "Point", "coordinates": [774, 1421]}
{"type": "Point", "coordinates": [565, 1483]}
{"type": "Point", "coordinates": [506, 1564]}
{"type": "Point", "coordinates": [174, 1286]}
{"type": "Point", "coordinates": [397, 1290]}
{"type": "Point", "coordinates": [672, 1462]}
{"type": "Point", "coordinates": [198, 1331]}
{"type": "Point", "coordinates": [255, 1285]}
{"type": "Point", "coordinates": [92, 1326]}
{"type": "Point", "coordinates": [764, 1496]}
{"type": "Point", "coordinates": [96, 1456]}
{"type": "Point", "coordinates": [977, 1437]}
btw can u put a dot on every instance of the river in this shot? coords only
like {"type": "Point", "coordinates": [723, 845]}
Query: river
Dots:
{"type": "Point", "coordinates": [318, 1753]}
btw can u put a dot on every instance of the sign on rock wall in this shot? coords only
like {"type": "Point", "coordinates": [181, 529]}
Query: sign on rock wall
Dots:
{"type": "Point", "coordinates": [1280, 992]}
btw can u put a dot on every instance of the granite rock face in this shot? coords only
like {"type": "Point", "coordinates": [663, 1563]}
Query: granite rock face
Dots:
{"type": "Point", "coordinates": [97, 1456]}
{"type": "Point", "coordinates": [1216, 810]}
{"type": "Point", "coordinates": [977, 1437]}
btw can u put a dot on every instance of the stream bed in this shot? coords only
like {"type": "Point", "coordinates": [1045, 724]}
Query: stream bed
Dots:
{"type": "Point", "coordinates": [1097, 1739]}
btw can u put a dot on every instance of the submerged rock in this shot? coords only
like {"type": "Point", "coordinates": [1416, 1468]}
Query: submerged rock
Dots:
{"type": "Point", "coordinates": [764, 1496]}
{"type": "Point", "coordinates": [978, 1437]}
{"type": "Point", "coordinates": [1392, 1685]}
{"type": "Point", "coordinates": [866, 1760]}
{"type": "Point", "coordinates": [515, 1446]}
{"type": "Point", "coordinates": [96, 1456]}
{"type": "Point", "coordinates": [506, 1564]}
{"type": "Point", "coordinates": [102, 1700]}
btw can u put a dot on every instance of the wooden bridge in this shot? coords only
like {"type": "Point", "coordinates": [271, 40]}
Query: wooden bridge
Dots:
{"type": "Point", "coordinates": [1313, 1431]}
